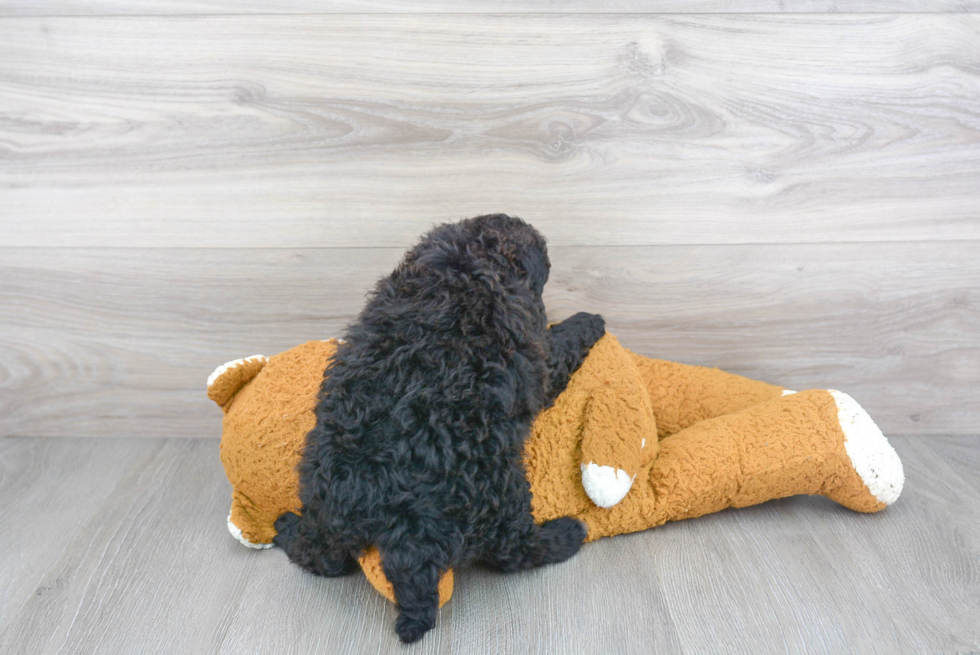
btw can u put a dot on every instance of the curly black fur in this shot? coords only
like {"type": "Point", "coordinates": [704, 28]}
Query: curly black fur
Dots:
{"type": "Point", "coordinates": [423, 413]}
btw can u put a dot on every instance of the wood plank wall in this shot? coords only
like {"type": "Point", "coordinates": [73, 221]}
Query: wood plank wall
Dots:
{"type": "Point", "coordinates": [789, 196]}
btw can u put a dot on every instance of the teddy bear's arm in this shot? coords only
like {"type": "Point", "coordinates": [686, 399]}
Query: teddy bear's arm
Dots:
{"type": "Point", "coordinates": [616, 442]}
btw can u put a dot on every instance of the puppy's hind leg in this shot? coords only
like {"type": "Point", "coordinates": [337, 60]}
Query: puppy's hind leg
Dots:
{"type": "Point", "coordinates": [300, 540]}
{"type": "Point", "coordinates": [550, 543]}
{"type": "Point", "coordinates": [521, 544]}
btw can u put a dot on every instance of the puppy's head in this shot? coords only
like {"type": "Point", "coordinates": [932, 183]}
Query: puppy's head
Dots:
{"type": "Point", "coordinates": [503, 245]}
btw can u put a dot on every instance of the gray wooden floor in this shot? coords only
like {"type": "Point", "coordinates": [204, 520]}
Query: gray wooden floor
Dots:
{"type": "Point", "coordinates": [120, 546]}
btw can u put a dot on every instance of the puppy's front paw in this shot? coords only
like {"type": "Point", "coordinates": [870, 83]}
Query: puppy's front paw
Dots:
{"type": "Point", "coordinates": [587, 327]}
{"type": "Point", "coordinates": [596, 328]}
{"type": "Point", "coordinates": [411, 629]}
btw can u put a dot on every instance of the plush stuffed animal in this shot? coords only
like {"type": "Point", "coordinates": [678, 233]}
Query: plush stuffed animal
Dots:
{"type": "Point", "coordinates": [630, 444]}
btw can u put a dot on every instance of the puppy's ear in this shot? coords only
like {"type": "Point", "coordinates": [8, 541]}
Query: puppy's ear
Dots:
{"type": "Point", "coordinates": [534, 262]}
{"type": "Point", "coordinates": [522, 252]}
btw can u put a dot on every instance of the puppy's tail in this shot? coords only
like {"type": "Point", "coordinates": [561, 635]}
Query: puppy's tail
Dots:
{"type": "Point", "coordinates": [229, 378]}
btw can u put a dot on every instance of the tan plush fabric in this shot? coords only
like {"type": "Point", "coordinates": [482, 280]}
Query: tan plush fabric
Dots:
{"type": "Point", "coordinates": [602, 417]}
{"type": "Point", "coordinates": [370, 563]}
{"type": "Point", "coordinates": [682, 395]}
{"type": "Point", "coordinates": [238, 373]}
{"type": "Point", "coordinates": [264, 427]}
{"type": "Point", "coordinates": [618, 426]}
{"type": "Point", "coordinates": [692, 440]}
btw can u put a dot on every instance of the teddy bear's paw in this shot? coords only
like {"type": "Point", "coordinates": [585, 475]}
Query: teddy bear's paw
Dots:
{"type": "Point", "coordinates": [236, 532]}
{"type": "Point", "coordinates": [871, 455]}
{"type": "Point", "coordinates": [605, 485]}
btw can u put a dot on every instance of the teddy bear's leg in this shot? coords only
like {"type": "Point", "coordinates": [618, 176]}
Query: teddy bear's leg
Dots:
{"type": "Point", "coordinates": [306, 548]}
{"type": "Point", "coordinates": [812, 442]}
{"type": "Point", "coordinates": [682, 395]}
{"type": "Point", "coordinates": [241, 526]}
{"type": "Point", "coordinates": [571, 341]}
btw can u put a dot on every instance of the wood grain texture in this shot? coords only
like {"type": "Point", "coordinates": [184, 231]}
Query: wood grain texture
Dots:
{"type": "Point", "coordinates": [359, 130]}
{"type": "Point", "coordinates": [180, 7]}
{"type": "Point", "coordinates": [153, 570]}
{"type": "Point", "coordinates": [851, 583]}
{"type": "Point", "coordinates": [47, 477]}
{"type": "Point", "coordinates": [119, 342]}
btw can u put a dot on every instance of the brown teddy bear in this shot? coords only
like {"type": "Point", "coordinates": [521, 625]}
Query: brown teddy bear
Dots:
{"type": "Point", "coordinates": [630, 444]}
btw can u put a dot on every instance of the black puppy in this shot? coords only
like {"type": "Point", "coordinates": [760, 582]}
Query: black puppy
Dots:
{"type": "Point", "coordinates": [423, 413]}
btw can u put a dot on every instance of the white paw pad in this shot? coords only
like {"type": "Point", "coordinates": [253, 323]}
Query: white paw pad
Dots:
{"type": "Point", "coordinates": [605, 485]}
{"type": "Point", "coordinates": [237, 534]}
{"type": "Point", "coordinates": [871, 455]}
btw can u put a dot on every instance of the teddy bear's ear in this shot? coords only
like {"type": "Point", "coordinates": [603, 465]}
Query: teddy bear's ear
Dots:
{"type": "Point", "coordinates": [229, 378]}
